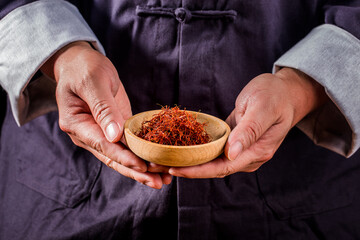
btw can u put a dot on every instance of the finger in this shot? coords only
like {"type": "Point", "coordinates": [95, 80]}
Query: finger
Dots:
{"type": "Point", "coordinates": [250, 127]}
{"type": "Point", "coordinates": [152, 167]}
{"type": "Point", "coordinates": [219, 167]}
{"type": "Point", "coordinates": [166, 178]}
{"type": "Point", "coordinates": [149, 179]}
{"type": "Point", "coordinates": [248, 161]}
{"type": "Point", "coordinates": [152, 180]}
{"type": "Point", "coordinates": [261, 151]}
{"type": "Point", "coordinates": [123, 103]}
{"type": "Point", "coordinates": [100, 97]}
{"type": "Point", "coordinates": [87, 134]}
{"type": "Point", "coordinates": [164, 170]}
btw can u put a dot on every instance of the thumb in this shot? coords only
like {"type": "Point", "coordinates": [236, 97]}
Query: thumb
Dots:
{"type": "Point", "coordinates": [250, 127]}
{"type": "Point", "coordinates": [106, 112]}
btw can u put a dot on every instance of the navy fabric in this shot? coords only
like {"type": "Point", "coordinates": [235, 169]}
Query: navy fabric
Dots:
{"type": "Point", "coordinates": [199, 55]}
{"type": "Point", "coordinates": [51, 189]}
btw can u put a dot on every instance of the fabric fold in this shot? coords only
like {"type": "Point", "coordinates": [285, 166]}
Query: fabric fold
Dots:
{"type": "Point", "coordinates": [31, 34]}
{"type": "Point", "coordinates": [336, 125]}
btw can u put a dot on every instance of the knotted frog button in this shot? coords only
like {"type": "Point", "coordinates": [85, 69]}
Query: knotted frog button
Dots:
{"type": "Point", "coordinates": [182, 15]}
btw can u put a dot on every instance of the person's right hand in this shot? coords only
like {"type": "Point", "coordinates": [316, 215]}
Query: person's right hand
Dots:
{"type": "Point", "coordinates": [93, 107]}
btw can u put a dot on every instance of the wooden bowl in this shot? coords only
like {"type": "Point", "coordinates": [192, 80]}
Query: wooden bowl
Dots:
{"type": "Point", "coordinates": [177, 156]}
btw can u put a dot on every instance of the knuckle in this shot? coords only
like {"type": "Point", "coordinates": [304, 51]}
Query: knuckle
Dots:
{"type": "Point", "coordinates": [126, 158]}
{"type": "Point", "coordinates": [264, 154]}
{"type": "Point", "coordinates": [123, 157]}
{"type": "Point", "coordinates": [65, 126]}
{"type": "Point", "coordinates": [140, 179]}
{"type": "Point", "coordinates": [254, 130]}
{"type": "Point", "coordinates": [132, 176]}
{"type": "Point", "coordinates": [221, 175]}
{"type": "Point", "coordinates": [253, 166]}
{"type": "Point", "coordinates": [252, 169]}
{"type": "Point", "coordinates": [226, 171]}
{"type": "Point", "coordinates": [97, 145]}
{"type": "Point", "coordinates": [100, 111]}
{"type": "Point", "coordinates": [252, 133]}
{"type": "Point", "coordinates": [267, 155]}
{"type": "Point", "coordinates": [108, 162]}
{"type": "Point", "coordinates": [86, 79]}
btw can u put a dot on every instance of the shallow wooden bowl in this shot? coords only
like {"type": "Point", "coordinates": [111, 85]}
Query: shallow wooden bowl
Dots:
{"type": "Point", "coordinates": [169, 155]}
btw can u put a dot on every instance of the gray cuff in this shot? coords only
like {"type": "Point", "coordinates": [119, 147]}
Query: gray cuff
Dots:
{"type": "Point", "coordinates": [331, 56]}
{"type": "Point", "coordinates": [30, 35]}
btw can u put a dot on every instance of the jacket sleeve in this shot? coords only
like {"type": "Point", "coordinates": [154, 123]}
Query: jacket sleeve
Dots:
{"type": "Point", "coordinates": [330, 54]}
{"type": "Point", "coordinates": [29, 35]}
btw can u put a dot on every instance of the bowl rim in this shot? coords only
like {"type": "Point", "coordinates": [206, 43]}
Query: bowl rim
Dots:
{"type": "Point", "coordinates": [128, 131]}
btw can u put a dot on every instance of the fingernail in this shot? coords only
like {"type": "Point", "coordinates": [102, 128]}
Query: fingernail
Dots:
{"type": "Point", "coordinates": [112, 131]}
{"type": "Point", "coordinates": [235, 150]}
{"type": "Point", "coordinates": [173, 172]}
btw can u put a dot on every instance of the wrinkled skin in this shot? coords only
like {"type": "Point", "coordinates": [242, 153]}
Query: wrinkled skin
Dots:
{"type": "Point", "coordinates": [93, 107]}
{"type": "Point", "coordinates": [265, 111]}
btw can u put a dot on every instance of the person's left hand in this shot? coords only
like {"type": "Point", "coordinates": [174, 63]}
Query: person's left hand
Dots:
{"type": "Point", "coordinates": [265, 110]}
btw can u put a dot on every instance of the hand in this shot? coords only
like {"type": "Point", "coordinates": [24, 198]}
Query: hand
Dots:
{"type": "Point", "coordinates": [265, 110]}
{"type": "Point", "coordinates": [93, 107]}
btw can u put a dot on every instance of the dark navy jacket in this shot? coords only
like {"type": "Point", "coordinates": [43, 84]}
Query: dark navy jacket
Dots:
{"type": "Point", "coordinates": [51, 189]}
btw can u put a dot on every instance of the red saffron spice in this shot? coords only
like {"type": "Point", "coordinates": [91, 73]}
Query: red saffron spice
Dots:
{"type": "Point", "coordinates": [172, 126]}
